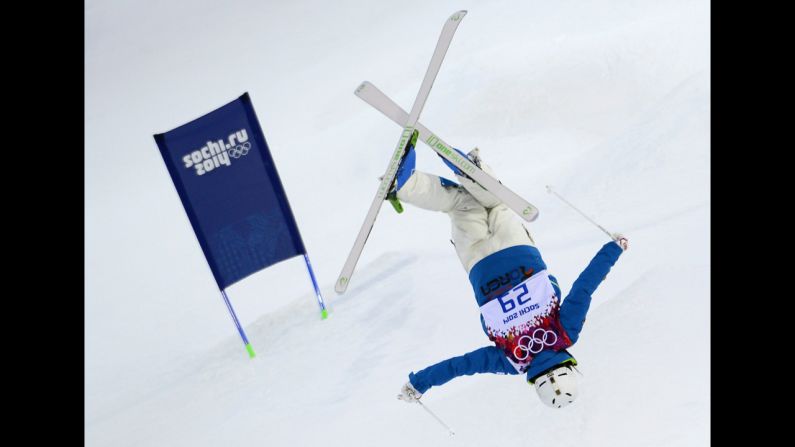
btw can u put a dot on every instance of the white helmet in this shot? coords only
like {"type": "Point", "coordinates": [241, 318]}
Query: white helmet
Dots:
{"type": "Point", "coordinates": [557, 387]}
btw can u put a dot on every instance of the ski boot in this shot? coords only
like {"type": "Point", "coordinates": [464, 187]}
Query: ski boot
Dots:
{"type": "Point", "coordinates": [407, 163]}
{"type": "Point", "coordinates": [473, 156]}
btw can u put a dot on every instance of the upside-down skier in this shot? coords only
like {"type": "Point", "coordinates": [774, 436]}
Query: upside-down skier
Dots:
{"type": "Point", "coordinates": [521, 310]}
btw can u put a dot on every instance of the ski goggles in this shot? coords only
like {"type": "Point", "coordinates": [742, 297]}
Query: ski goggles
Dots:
{"type": "Point", "coordinates": [570, 361]}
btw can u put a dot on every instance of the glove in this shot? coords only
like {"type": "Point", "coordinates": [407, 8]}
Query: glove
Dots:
{"type": "Point", "coordinates": [621, 240]}
{"type": "Point", "coordinates": [409, 394]}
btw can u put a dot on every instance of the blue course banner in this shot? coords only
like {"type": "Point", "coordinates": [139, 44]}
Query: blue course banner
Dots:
{"type": "Point", "coordinates": [227, 181]}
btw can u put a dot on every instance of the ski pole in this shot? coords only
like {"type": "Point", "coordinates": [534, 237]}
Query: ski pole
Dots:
{"type": "Point", "coordinates": [437, 418]}
{"type": "Point", "coordinates": [549, 190]}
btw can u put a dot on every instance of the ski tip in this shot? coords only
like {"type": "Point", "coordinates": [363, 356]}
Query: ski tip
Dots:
{"type": "Point", "coordinates": [361, 87]}
{"type": "Point", "coordinates": [549, 189]}
{"type": "Point", "coordinates": [530, 213]}
{"type": "Point", "coordinates": [458, 15]}
{"type": "Point", "coordinates": [341, 286]}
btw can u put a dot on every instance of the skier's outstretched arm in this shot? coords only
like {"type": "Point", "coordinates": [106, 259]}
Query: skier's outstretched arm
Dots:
{"type": "Point", "coordinates": [576, 304]}
{"type": "Point", "coordinates": [488, 359]}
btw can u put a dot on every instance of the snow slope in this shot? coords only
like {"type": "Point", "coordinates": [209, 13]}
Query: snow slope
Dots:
{"type": "Point", "coordinates": [606, 100]}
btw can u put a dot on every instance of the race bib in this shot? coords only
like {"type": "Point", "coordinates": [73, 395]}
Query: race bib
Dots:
{"type": "Point", "coordinates": [525, 321]}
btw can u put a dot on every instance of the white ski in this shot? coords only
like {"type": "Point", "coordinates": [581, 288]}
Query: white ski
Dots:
{"type": "Point", "coordinates": [376, 98]}
{"type": "Point", "coordinates": [442, 44]}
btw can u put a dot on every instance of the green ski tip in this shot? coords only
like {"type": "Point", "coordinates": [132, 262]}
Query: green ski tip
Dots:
{"type": "Point", "coordinates": [323, 314]}
{"type": "Point", "coordinates": [250, 351]}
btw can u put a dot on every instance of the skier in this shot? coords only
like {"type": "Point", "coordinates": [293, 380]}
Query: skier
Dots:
{"type": "Point", "coordinates": [519, 301]}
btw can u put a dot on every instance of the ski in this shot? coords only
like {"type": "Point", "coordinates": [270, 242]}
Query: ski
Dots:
{"type": "Point", "coordinates": [376, 98]}
{"type": "Point", "coordinates": [442, 45]}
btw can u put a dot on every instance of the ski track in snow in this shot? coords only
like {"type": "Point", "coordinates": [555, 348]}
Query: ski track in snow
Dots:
{"type": "Point", "coordinates": [608, 101]}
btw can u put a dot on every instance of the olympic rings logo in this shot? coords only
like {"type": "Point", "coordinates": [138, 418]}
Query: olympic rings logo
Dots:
{"type": "Point", "coordinates": [240, 150]}
{"type": "Point", "coordinates": [535, 344]}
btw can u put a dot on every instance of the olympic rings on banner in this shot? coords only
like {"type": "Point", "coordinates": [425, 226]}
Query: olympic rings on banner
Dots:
{"type": "Point", "coordinates": [240, 150]}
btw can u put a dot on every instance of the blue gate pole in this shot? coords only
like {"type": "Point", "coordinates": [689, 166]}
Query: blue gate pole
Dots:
{"type": "Point", "coordinates": [237, 323]}
{"type": "Point", "coordinates": [323, 311]}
